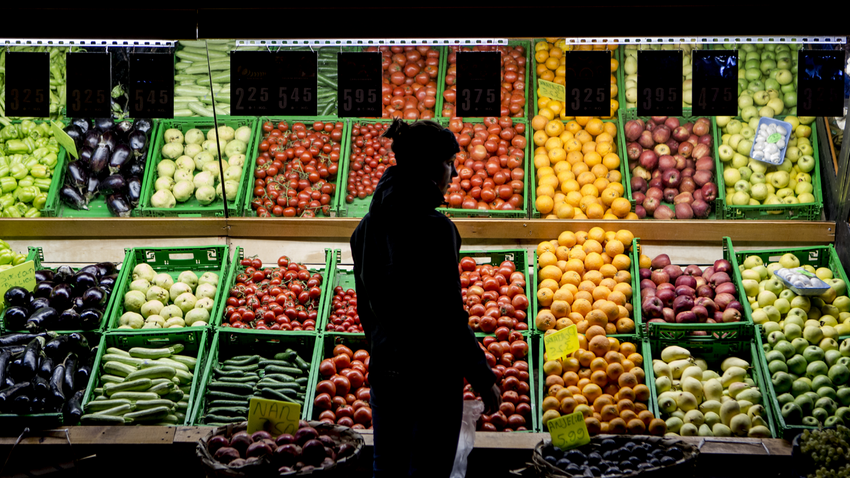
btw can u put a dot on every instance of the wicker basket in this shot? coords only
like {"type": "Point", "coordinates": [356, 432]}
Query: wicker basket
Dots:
{"type": "Point", "coordinates": [681, 468]}
{"type": "Point", "coordinates": [263, 467]}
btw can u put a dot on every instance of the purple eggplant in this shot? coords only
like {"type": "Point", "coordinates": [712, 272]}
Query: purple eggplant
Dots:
{"type": "Point", "coordinates": [77, 176]}
{"type": "Point", "coordinates": [16, 317]}
{"type": "Point", "coordinates": [39, 303]}
{"type": "Point", "coordinates": [123, 129]}
{"type": "Point", "coordinates": [90, 319]}
{"type": "Point", "coordinates": [109, 138]}
{"type": "Point", "coordinates": [43, 275]}
{"type": "Point", "coordinates": [92, 138]}
{"type": "Point", "coordinates": [42, 319]}
{"type": "Point", "coordinates": [104, 124]}
{"type": "Point", "coordinates": [85, 155]}
{"type": "Point", "coordinates": [112, 184]}
{"type": "Point", "coordinates": [121, 156]}
{"type": "Point", "coordinates": [108, 282]}
{"type": "Point", "coordinates": [83, 281]}
{"type": "Point", "coordinates": [43, 289]}
{"type": "Point", "coordinates": [17, 296]}
{"type": "Point", "coordinates": [134, 190]}
{"type": "Point", "coordinates": [75, 133]}
{"type": "Point", "coordinates": [69, 319]}
{"type": "Point", "coordinates": [100, 159]}
{"type": "Point", "coordinates": [62, 297]}
{"type": "Point", "coordinates": [83, 124]}
{"type": "Point", "coordinates": [118, 205]}
{"type": "Point", "coordinates": [92, 187]}
{"type": "Point", "coordinates": [63, 275]}
{"type": "Point", "coordinates": [73, 198]}
{"type": "Point", "coordinates": [137, 168]}
{"type": "Point", "coordinates": [105, 269]}
{"type": "Point", "coordinates": [78, 303]}
{"type": "Point", "coordinates": [145, 125]}
{"type": "Point", "coordinates": [94, 297]}
{"type": "Point", "coordinates": [138, 142]}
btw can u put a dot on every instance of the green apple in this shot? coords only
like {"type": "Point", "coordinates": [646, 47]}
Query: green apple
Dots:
{"type": "Point", "coordinates": [740, 198]}
{"type": "Point", "coordinates": [842, 303]}
{"type": "Point", "coordinates": [735, 139]}
{"type": "Point", "coordinates": [829, 295]}
{"type": "Point", "coordinates": [722, 120]}
{"type": "Point", "coordinates": [784, 76]}
{"type": "Point", "coordinates": [804, 177]}
{"type": "Point", "coordinates": [749, 274]}
{"type": "Point", "coordinates": [767, 111]}
{"type": "Point", "coordinates": [746, 172]}
{"type": "Point", "coordinates": [742, 185]}
{"type": "Point", "coordinates": [758, 178]}
{"type": "Point", "coordinates": [828, 344]}
{"type": "Point", "coordinates": [735, 125]}
{"type": "Point", "coordinates": [789, 261]}
{"type": "Point", "coordinates": [792, 331]}
{"type": "Point", "coordinates": [776, 104]}
{"type": "Point", "coordinates": [758, 166]}
{"type": "Point", "coordinates": [780, 179]}
{"type": "Point", "coordinates": [760, 317]}
{"type": "Point", "coordinates": [762, 270]}
{"type": "Point", "coordinates": [761, 98]}
{"type": "Point", "coordinates": [824, 273]}
{"type": "Point", "coordinates": [787, 294]}
{"type": "Point", "coordinates": [740, 160]}
{"type": "Point", "coordinates": [801, 302]}
{"type": "Point", "coordinates": [744, 146]}
{"type": "Point", "coordinates": [772, 312]}
{"type": "Point", "coordinates": [806, 149]}
{"type": "Point", "coordinates": [782, 305]}
{"type": "Point", "coordinates": [790, 98]}
{"type": "Point", "coordinates": [769, 326]}
{"type": "Point", "coordinates": [745, 101]}
{"type": "Point", "coordinates": [838, 285]}
{"type": "Point", "coordinates": [725, 152]}
{"type": "Point", "coordinates": [805, 198]}
{"type": "Point", "coordinates": [774, 286]}
{"type": "Point", "coordinates": [750, 112]}
{"type": "Point", "coordinates": [806, 163]}
{"type": "Point", "coordinates": [792, 154]}
{"type": "Point", "coordinates": [752, 261]}
{"type": "Point", "coordinates": [747, 132]}
{"type": "Point", "coordinates": [731, 176]}
{"type": "Point", "coordinates": [803, 187]}
{"type": "Point", "coordinates": [750, 287]}
{"type": "Point", "coordinates": [782, 193]}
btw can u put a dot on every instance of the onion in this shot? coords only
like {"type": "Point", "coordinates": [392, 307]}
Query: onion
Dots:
{"type": "Point", "coordinates": [226, 454]}
{"type": "Point", "coordinates": [216, 442]}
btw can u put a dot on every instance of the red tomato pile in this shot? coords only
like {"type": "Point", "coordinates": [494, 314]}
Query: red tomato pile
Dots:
{"type": "Point", "coordinates": [344, 316]}
{"type": "Point", "coordinates": [409, 88]}
{"type": "Point", "coordinates": [490, 165]}
{"type": "Point", "coordinates": [513, 79]}
{"type": "Point", "coordinates": [507, 357]}
{"type": "Point", "coordinates": [296, 169]}
{"type": "Point", "coordinates": [342, 396]}
{"type": "Point", "coordinates": [494, 297]}
{"type": "Point", "coordinates": [274, 298]}
{"type": "Point", "coordinates": [370, 157]}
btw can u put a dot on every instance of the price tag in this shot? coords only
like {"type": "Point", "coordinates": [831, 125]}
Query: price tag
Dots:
{"type": "Point", "coordinates": [28, 84]}
{"type": "Point", "coordinates": [297, 88]}
{"type": "Point", "coordinates": [64, 140]}
{"type": "Point", "coordinates": [568, 431]}
{"type": "Point", "coordinates": [273, 416]}
{"type": "Point", "coordinates": [588, 83]}
{"type": "Point", "coordinates": [820, 83]}
{"type": "Point", "coordinates": [22, 275]}
{"type": "Point", "coordinates": [359, 93]}
{"type": "Point", "coordinates": [561, 343]}
{"type": "Point", "coordinates": [659, 83]}
{"type": "Point", "coordinates": [479, 90]}
{"type": "Point", "coordinates": [273, 83]}
{"type": "Point", "coordinates": [151, 85]}
{"type": "Point", "coordinates": [88, 85]}
{"type": "Point", "coordinates": [715, 84]}
{"type": "Point", "coordinates": [551, 90]}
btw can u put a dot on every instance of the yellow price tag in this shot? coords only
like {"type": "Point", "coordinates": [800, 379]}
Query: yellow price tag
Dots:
{"type": "Point", "coordinates": [63, 139]}
{"type": "Point", "coordinates": [561, 343]}
{"type": "Point", "coordinates": [552, 90]}
{"type": "Point", "coordinates": [568, 431]}
{"type": "Point", "coordinates": [273, 416]}
{"type": "Point", "coordinates": [22, 275]}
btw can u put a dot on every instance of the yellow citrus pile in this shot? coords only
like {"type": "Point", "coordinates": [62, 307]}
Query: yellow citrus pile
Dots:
{"type": "Point", "coordinates": [584, 280]}
{"type": "Point", "coordinates": [604, 380]}
{"type": "Point", "coordinates": [578, 170]}
{"type": "Point", "coordinates": [549, 60]}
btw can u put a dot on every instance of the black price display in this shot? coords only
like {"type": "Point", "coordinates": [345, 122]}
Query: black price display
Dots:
{"type": "Point", "coordinates": [297, 88]}
{"type": "Point", "coordinates": [820, 84]}
{"type": "Point", "coordinates": [659, 83]}
{"type": "Point", "coordinates": [89, 85]}
{"type": "Point", "coordinates": [587, 83]}
{"type": "Point", "coordinates": [359, 91]}
{"type": "Point", "coordinates": [151, 85]}
{"type": "Point", "coordinates": [479, 90]}
{"type": "Point", "coordinates": [28, 84]}
{"type": "Point", "coordinates": [273, 83]}
{"type": "Point", "coordinates": [715, 84]}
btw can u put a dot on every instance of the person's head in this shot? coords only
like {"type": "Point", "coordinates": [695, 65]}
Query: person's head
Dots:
{"type": "Point", "coordinates": [426, 148]}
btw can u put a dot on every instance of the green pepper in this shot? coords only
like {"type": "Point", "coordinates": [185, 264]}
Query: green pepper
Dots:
{"type": "Point", "coordinates": [4, 244]}
{"type": "Point", "coordinates": [17, 146]}
{"type": "Point", "coordinates": [40, 201]}
{"type": "Point", "coordinates": [19, 259]}
{"type": "Point", "coordinates": [18, 171]}
{"type": "Point", "coordinates": [39, 171]}
{"type": "Point", "coordinates": [40, 142]}
{"type": "Point", "coordinates": [43, 130]}
{"type": "Point", "coordinates": [29, 161]}
{"type": "Point", "coordinates": [32, 212]}
{"type": "Point", "coordinates": [26, 182]}
{"type": "Point", "coordinates": [4, 171]}
{"type": "Point", "coordinates": [6, 256]}
{"type": "Point", "coordinates": [7, 200]}
{"type": "Point", "coordinates": [26, 127]}
{"type": "Point", "coordinates": [11, 212]}
{"type": "Point", "coordinates": [21, 207]}
{"type": "Point", "coordinates": [43, 183]}
{"type": "Point", "coordinates": [40, 152]}
{"type": "Point", "coordinates": [8, 184]}
{"type": "Point", "coordinates": [9, 132]}
{"type": "Point", "coordinates": [49, 160]}
{"type": "Point", "coordinates": [26, 194]}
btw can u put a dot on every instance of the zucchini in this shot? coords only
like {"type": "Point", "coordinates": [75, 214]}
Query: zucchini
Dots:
{"type": "Point", "coordinates": [302, 364]}
{"type": "Point", "coordinates": [108, 378]}
{"type": "Point", "coordinates": [141, 384]}
{"type": "Point", "coordinates": [229, 373]}
{"type": "Point", "coordinates": [162, 389]}
{"type": "Point", "coordinates": [117, 351]}
{"type": "Point", "coordinates": [279, 386]}
{"type": "Point", "coordinates": [119, 369]}
{"type": "Point", "coordinates": [203, 52]}
{"type": "Point", "coordinates": [104, 420]}
{"type": "Point", "coordinates": [288, 355]}
{"type": "Point", "coordinates": [301, 381]}
{"type": "Point", "coordinates": [175, 395]}
{"type": "Point", "coordinates": [184, 77]}
{"type": "Point", "coordinates": [182, 65]}
{"type": "Point", "coordinates": [153, 354]}
{"type": "Point", "coordinates": [185, 377]}
{"type": "Point", "coordinates": [182, 406]}
{"type": "Point", "coordinates": [189, 362]}
{"type": "Point", "coordinates": [117, 411]}
{"type": "Point", "coordinates": [189, 56]}
{"type": "Point", "coordinates": [200, 109]}
{"type": "Point", "coordinates": [125, 359]}
{"type": "Point", "coordinates": [135, 396]}
{"type": "Point", "coordinates": [172, 364]}
{"type": "Point", "coordinates": [237, 388]}
{"type": "Point", "coordinates": [221, 77]}
{"type": "Point", "coordinates": [280, 363]}
{"type": "Point", "coordinates": [145, 404]}
{"type": "Point", "coordinates": [218, 419]}
{"type": "Point", "coordinates": [276, 395]}
{"type": "Point", "coordinates": [327, 109]}
{"type": "Point", "coordinates": [161, 371]}
{"type": "Point", "coordinates": [190, 91]}
{"type": "Point", "coordinates": [96, 405]}
{"type": "Point", "coordinates": [149, 413]}
{"type": "Point", "coordinates": [248, 379]}
{"type": "Point", "coordinates": [183, 112]}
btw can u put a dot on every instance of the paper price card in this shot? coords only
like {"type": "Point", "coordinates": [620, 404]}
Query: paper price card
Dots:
{"type": "Point", "coordinates": [63, 139]}
{"type": "Point", "coordinates": [561, 343]}
{"type": "Point", "coordinates": [552, 90]}
{"type": "Point", "coordinates": [22, 275]}
{"type": "Point", "coordinates": [273, 416]}
{"type": "Point", "coordinates": [568, 431]}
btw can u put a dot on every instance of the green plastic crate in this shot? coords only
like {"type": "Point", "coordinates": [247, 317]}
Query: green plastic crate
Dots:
{"type": "Point", "coordinates": [52, 205]}
{"type": "Point", "coordinates": [194, 339]}
{"type": "Point", "coordinates": [172, 260]}
{"type": "Point", "coordinates": [231, 343]}
{"type": "Point", "coordinates": [444, 69]}
{"type": "Point", "coordinates": [358, 207]}
{"type": "Point", "coordinates": [717, 208]}
{"type": "Point", "coordinates": [520, 259]}
{"type": "Point", "coordinates": [253, 154]}
{"type": "Point", "coordinates": [714, 351]}
{"type": "Point", "coordinates": [236, 269]}
{"type": "Point", "coordinates": [532, 392]}
{"type": "Point", "coordinates": [799, 212]}
{"type": "Point", "coordinates": [191, 207]}
{"type": "Point", "coordinates": [36, 254]}
{"type": "Point", "coordinates": [324, 350]}
{"type": "Point", "coordinates": [674, 331]}
{"type": "Point", "coordinates": [634, 255]}
{"type": "Point", "coordinates": [541, 379]}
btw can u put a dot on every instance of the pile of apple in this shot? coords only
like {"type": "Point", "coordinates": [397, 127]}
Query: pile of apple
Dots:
{"type": "Point", "coordinates": [767, 79]}
{"type": "Point", "coordinates": [671, 163]}
{"type": "Point", "coordinates": [697, 401]}
{"type": "Point", "coordinates": [630, 70]}
{"type": "Point", "coordinates": [775, 307]}
{"type": "Point", "coordinates": [751, 182]}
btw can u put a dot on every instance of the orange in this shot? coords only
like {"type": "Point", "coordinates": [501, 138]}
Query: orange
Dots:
{"type": "Point", "coordinates": [602, 401]}
{"type": "Point", "coordinates": [615, 344]}
{"type": "Point", "coordinates": [614, 371]}
{"type": "Point", "coordinates": [608, 413]}
{"type": "Point", "coordinates": [657, 427]}
{"type": "Point", "coordinates": [591, 391]}
{"type": "Point", "coordinates": [538, 123]}
{"type": "Point", "coordinates": [589, 147]}
{"type": "Point", "coordinates": [544, 320]}
{"type": "Point", "coordinates": [585, 359]}
{"type": "Point", "coordinates": [592, 158]}
{"type": "Point", "coordinates": [640, 406]}
{"type": "Point", "coordinates": [636, 426]}
{"type": "Point", "coordinates": [544, 204]}
{"type": "Point", "coordinates": [626, 237]}
{"type": "Point", "coordinates": [544, 297]}
{"type": "Point", "coordinates": [646, 416]}
{"type": "Point", "coordinates": [625, 325]}
{"type": "Point", "coordinates": [610, 160]}
{"type": "Point", "coordinates": [621, 262]}
{"type": "Point", "coordinates": [570, 185]}
{"type": "Point", "coordinates": [568, 405]}
{"type": "Point", "coordinates": [617, 426]}
{"type": "Point", "coordinates": [570, 364]}
{"type": "Point", "coordinates": [628, 379]}
{"type": "Point", "coordinates": [550, 403]}
{"type": "Point", "coordinates": [581, 236]}
{"type": "Point", "coordinates": [599, 345]}
{"type": "Point", "coordinates": [600, 171]}
{"type": "Point", "coordinates": [594, 126]}
{"type": "Point", "coordinates": [575, 265]}
{"type": "Point", "coordinates": [570, 378]}
{"type": "Point", "coordinates": [621, 207]}
{"type": "Point", "coordinates": [572, 278]}
{"type": "Point", "coordinates": [599, 378]}
{"type": "Point", "coordinates": [628, 415]}
{"type": "Point", "coordinates": [627, 348]}
{"type": "Point", "coordinates": [584, 178]}
{"type": "Point", "coordinates": [636, 358]}
{"type": "Point", "coordinates": [641, 392]}
{"type": "Point", "coordinates": [554, 380]}
{"type": "Point", "coordinates": [617, 297]}
{"type": "Point", "coordinates": [610, 128]}
{"type": "Point", "coordinates": [593, 425]}
{"type": "Point", "coordinates": [550, 272]}
{"type": "Point", "coordinates": [567, 238]}
{"type": "Point", "coordinates": [626, 393]}
{"type": "Point", "coordinates": [593, 331]}
{"type": "Point", "coordinates": [553, 390]}
{"type": "Point", "coordinates": [615, 177]}
{"type": "Point", "coordinates": [645, 261]}
{"type": "Point", "coordinates": [597, 364]}
{"type": "Point", "coordinates": [583, 137]}
{"type": "Point", "coordinates": [583, 120]}
{"type": "Point", "coordinates": [608, 271]}
{"type": "Point", "coordinates": [560, 308]}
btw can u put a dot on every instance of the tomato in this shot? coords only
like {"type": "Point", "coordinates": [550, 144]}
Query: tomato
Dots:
{"type": "Point", "coordinates": [323, 401]}
{"type": "Point", "coordinates": [343, 385]}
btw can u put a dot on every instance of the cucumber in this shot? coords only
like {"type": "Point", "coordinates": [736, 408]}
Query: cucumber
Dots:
{"type": "Point", "coordinates": [242, 360]}
{"type": "Point", "coordinates": [302, 364]}
{"type": "Point", "coordinates": [190, 91]}
{"type": "Point", "coordinates": [189, 56]}
{"type": "Point", "coordinates": [217, 419]}
{"type": "Point", "coordinates": [280, 363]}
{"type": "Point", "coordinates": [289, 355]}
{"type": "Point", "coordinates": [222, 77]}
{"type": "Point", "coordinates": [203, 52]}
{"type": "Point", "coordinates": [280, 377]}
{"type": "Point", "coordinates": [301, 381]}
{"type": "Point", "coordinates": [214, 395]}
{"type": "Point", "coordinates": [141, 384]}
{"type": "Point", "coordinates": [241, 368]}
{"type": "Point", "coordinates": [228, 403]}
{"type": "Point", "coordinates": [161, 371]}
{"type": "Point", "coordinates": [236, 388]}
{"type": "Point", "coordinates": [276, 395]}
{"type": "Point", "coordinates": [153, 354]}
{"type": "Point", "coordinates": [200, 109]}
{"type": "Point", "coordinates": [228, 373]}
{"type": "Point", "coordinates": [327, 109]}
{"type": "Point", "coordinates": [182, 406]}
{"type": "Point", "coordinates": [249, 379]}
{"type": "Point", "coordinates": [286, 370]}
{"type": "Point", "coordinates": [184, 77]}
{"type": "Point", "coordinates": [228, 411]}
{"type": "Point", "coordinates": [119, 369]}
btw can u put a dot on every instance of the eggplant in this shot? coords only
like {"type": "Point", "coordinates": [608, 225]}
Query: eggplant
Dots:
{"type": "Point", "coordinates": [73, 198]}
{"type": "Point", "coordinates": [82, 124]}
{"type": "Point", "coordinates": [75, 133]}
{"type": "Point", "coordinates": [5, 358]}
{"type": "Point", "coordinates": [62, 297]}
{"type": "Point", "coordinates": [89, 269]}
{"type": "Point", "coordinates": [112, 184]}
{"type": "Point", "coordinates": [90, 319]}
{"type": "Point", "coordinates": [22, 403]}
{"type": "Point", "coordinates": [74, 407]}
{"type": "Point", "coordinates": [105, 268]}
{"type": "Point", "coordinates": [57, 396]}
{"type": "Point", "coordinates": [16, 317]}
{"type": "Point", "coordinates": [17, 296]}
{"type": "Point", "coordinates": [45, 369]}
{"type": "Point", "coordinates": [43, 275]}
{"type": "Point", "coordinates": [63, 275]}
{"type": "Point", "coordinates": [137, 168]}
{"type": "Point", "coordinates": [85, 280]}
{"type": "Point", "coordinates": [77, 176]}
{"type": "Point", "coordinates": [69, 319]}
{"type": "Point", "coordinates": [40, 386]}
{"type": "Point", "coordinates": [92, 138]}
{"type": "Point", "coordinates": [109, 138]}
{"type": "Point", "coordinates": [91, 188]}
{"type": "Point", "coordinates": [123, 129]}
{"type": "Point", "coordinates": [42, 318]}
{"type": "Point", "coordinates": [8, 394]}
{"type": "Point", "coordinates": [78, 303]}
{"type": "Point", "coordinates": [145, 125]}
{"type": "Point", "coordinates": [85, 156]}
{"type": "Point", "coordinates": [134, 190]}
{"type": "Point", "coordinates": [118, 205]}
{"type": "Point", "coordinates": [23, 339]}
{"type": "Point", "coordinates": [138, 141]}
{"type": "Point", "coordinates": [94, 297]}
{"type": "Point", "coordinates": [70, 370]}
{"type": "Point", "coordinates": [26, 368]}
{"type": "Point", "coordinates": [104, 124]}
{"type": "Point", "coordinates": [121, 158]}
{"type": "Point", "coordinates": [43, 289]}
{"type": "Point", "coordinates": [108, 282]}
{"type": "Point", "coordinates": [39, 303]}
{"type": "Point", "coordinates": [100, 159]}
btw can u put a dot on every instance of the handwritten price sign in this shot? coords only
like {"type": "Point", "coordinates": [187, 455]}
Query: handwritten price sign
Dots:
{"type": "Point", "coordinates": [568, 431]}
{"type": "Point", "coordinates": [561, 343]}
{"type": "Point", "coordinates": [552, 90]}
{"type": "Point", "coordinates": [274, 416]}
{"type": "Point", "coordinates": [22, 275]}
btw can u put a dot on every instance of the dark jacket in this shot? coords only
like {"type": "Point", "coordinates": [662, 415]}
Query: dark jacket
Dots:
{"type": "Point", "coordinates": [408, 285]}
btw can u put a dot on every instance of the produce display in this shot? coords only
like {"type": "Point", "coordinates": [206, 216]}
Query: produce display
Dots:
{"type": "Point", "coordinates": [57, 79]}
{"type": "Point", "coordinates": [297, 168]}
{"type": "Point", "coordinates": [549, 64]}
{"type": "Point", "coordinates": [508, 355]}
{"type": "Point", "coordinates": [767, 78]}
{"type": "Point", "coordinates": [605, 381]}
{"type": "Point", "coordinates": [158, 301]}
{"type": "Point", "coordinates": [45, 373]}
{"type": "Point", "coordinates": [343, 391]}
{"type": "Point", "coordinates": [578, 170]}
{"type": "Point", "coordinates": [750, 182]}
{"type": "Point", "coordinates": [494, 297]}
{"type": "Point", "coordinates": [618, 456]}
{"type": "Point", "coordinates": [409, 85]}
{"type": "Point", "coordinates": [195, 91]}
{"type": "Point", "coordinates": [672, 167]}
{"type": "Point", "coordinates": [630, 70]}
{"type": "Point", "coordinates": [285, 297]}
{"type": "Point", "coordinates": [513, 76]}
{"type": "Point", "coordinates": [142, 386]}
{"type": "Point", "coordinates": [696, 399]}
{"type": "Point", "coordinates": [670, 293]}
{"type": "Point", "coordinates": [29, 155]}
{"type": "Point", "coordinates": [491, 165]}
{"type": "Point", "coordinates": [190, 167]}
{"type": "Point", "coordinates": [585, 279]}
{"type": "Point", "coordinates": [63, 299]}
{"type": "Point", "coordinates": [371, 155]}
{"type": "Point", "coordinates": [111, 164]}
{"type": "Point", "coordinates": [344, 317]}
{"type": "Point", "coordinates": [8, 257]}
{"type": "Point", "coordinates": [826, 451]}
{"type": "Point", "coordinates": [282, 376]}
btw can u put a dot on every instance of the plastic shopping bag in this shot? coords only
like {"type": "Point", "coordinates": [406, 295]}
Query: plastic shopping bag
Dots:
{"type": "Point", "coordinates": [472, 409]}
